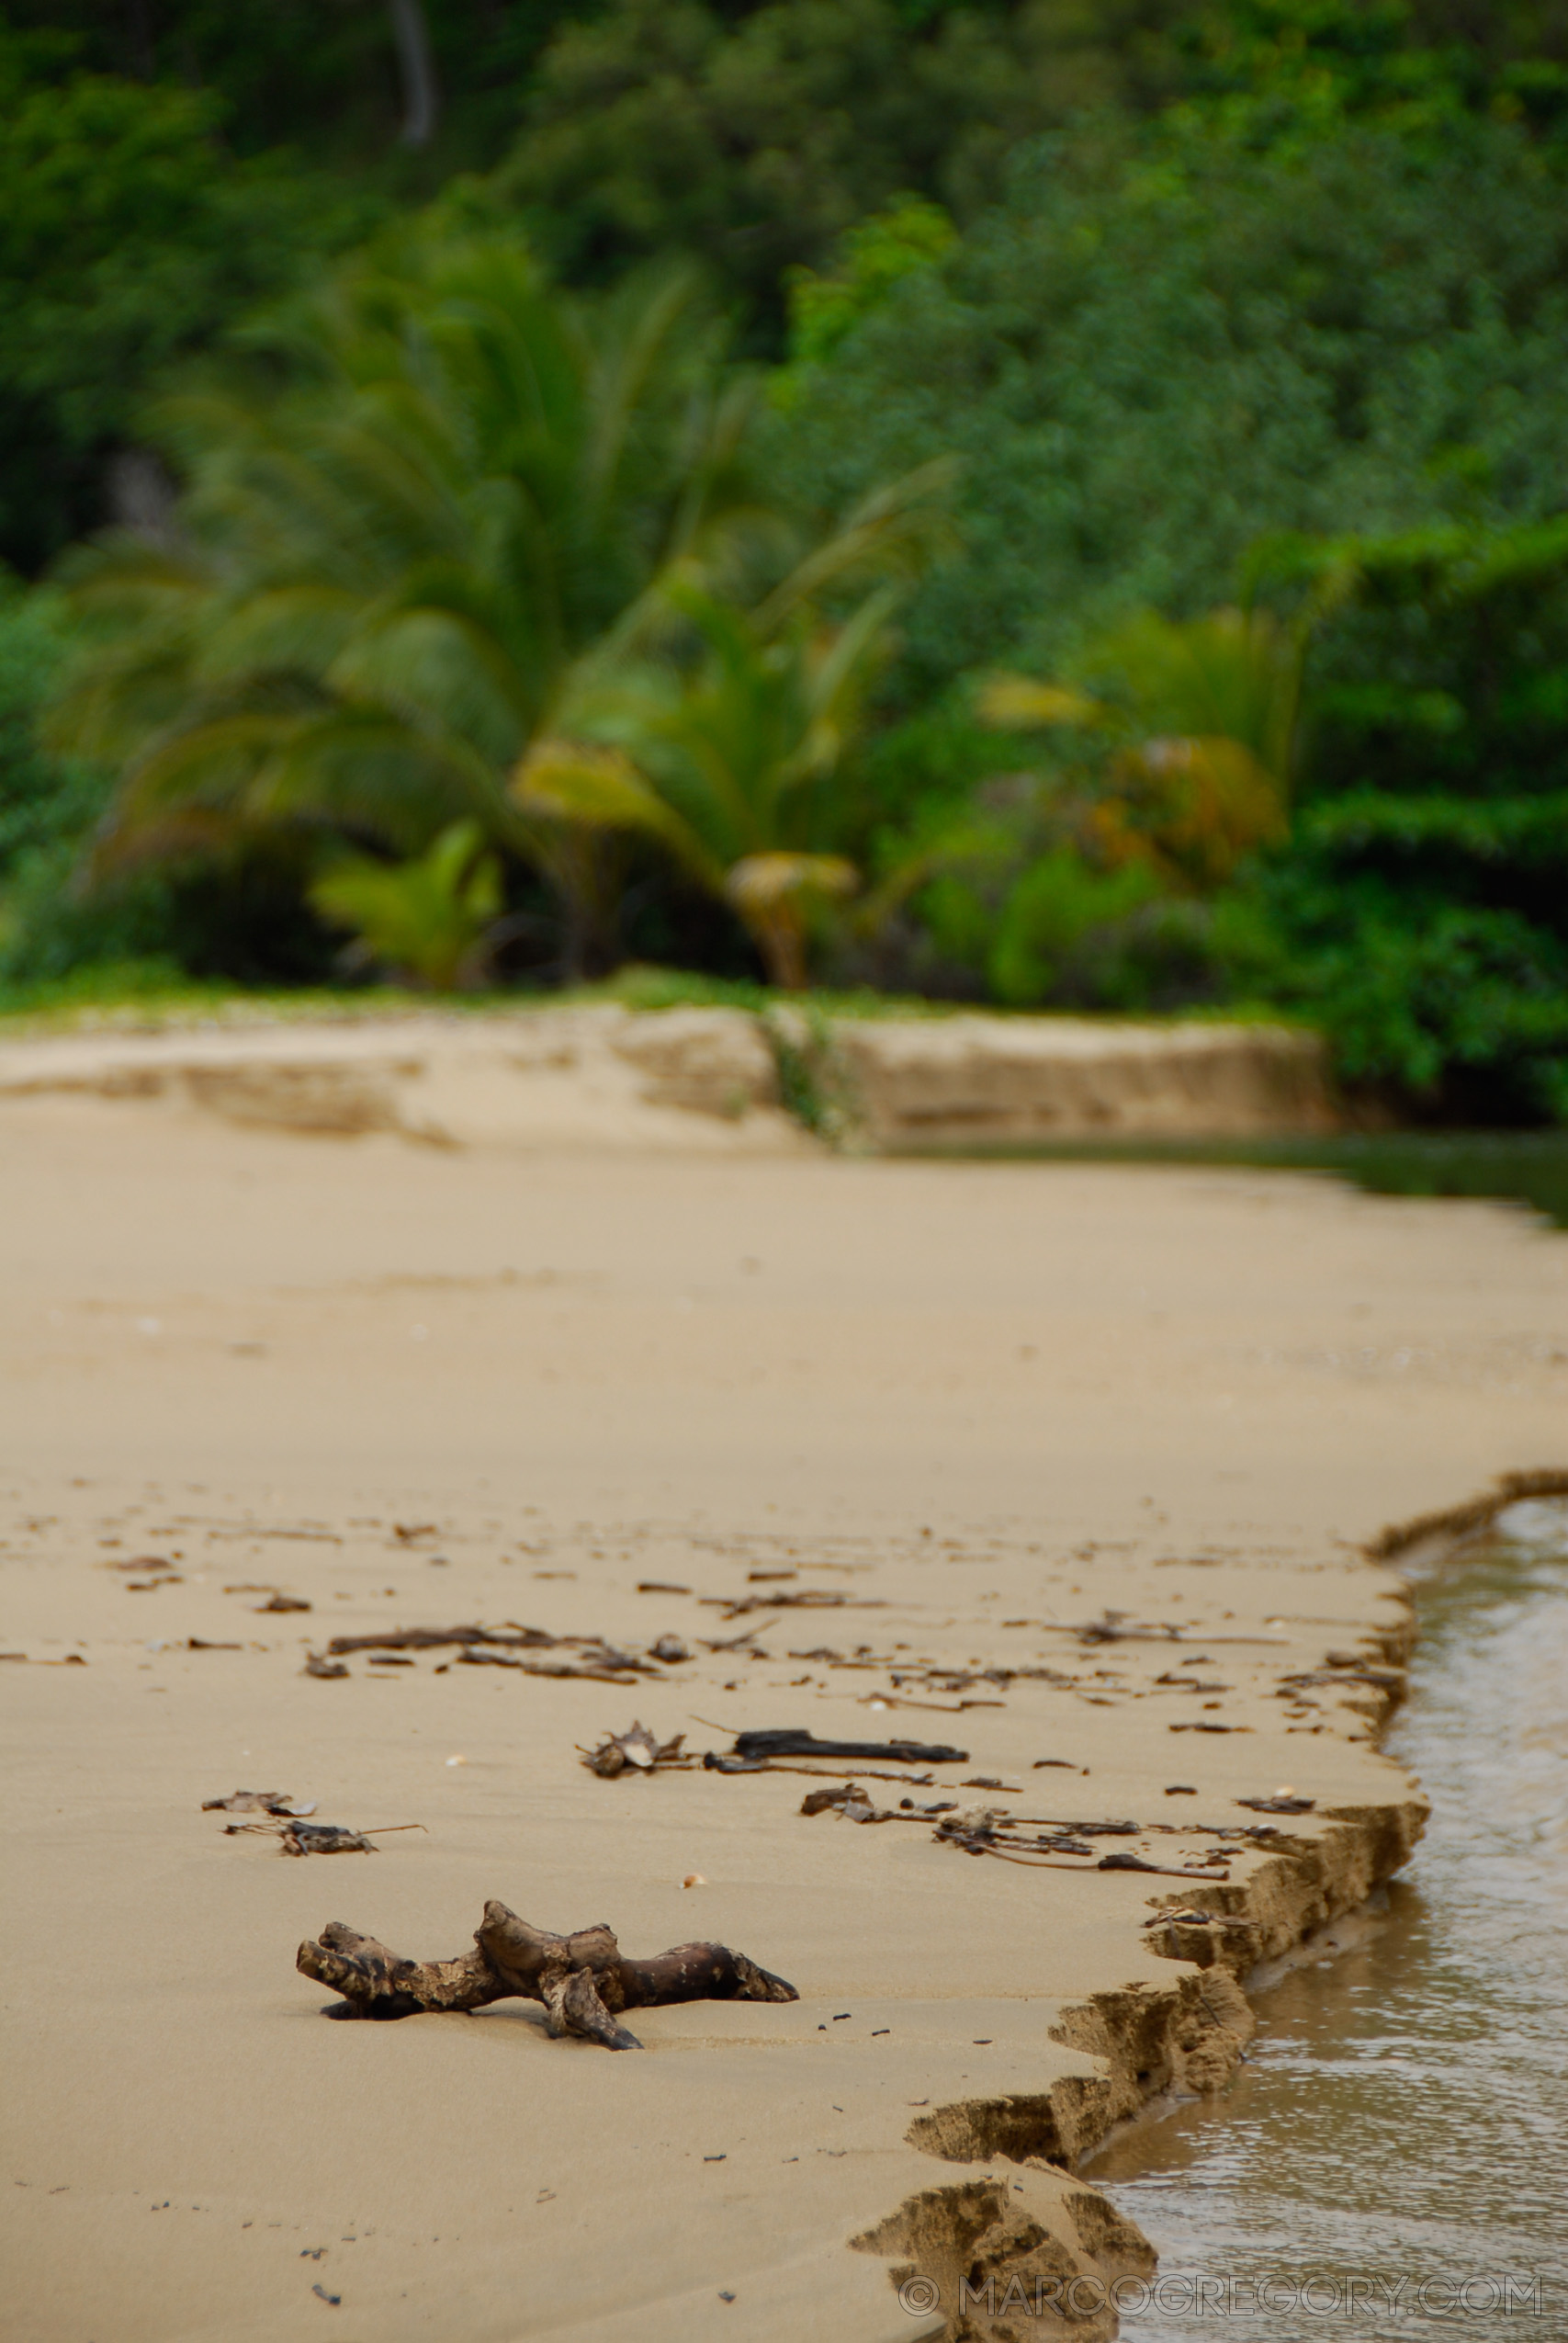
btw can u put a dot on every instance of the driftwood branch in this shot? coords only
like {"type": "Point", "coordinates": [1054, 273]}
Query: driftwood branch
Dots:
{"type": "Point", "coordinates": [584, 1980]}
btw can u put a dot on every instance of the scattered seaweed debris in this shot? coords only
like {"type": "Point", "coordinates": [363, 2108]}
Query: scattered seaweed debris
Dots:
{"type": "Point", "coordinates": [334, 1838]}
{"type": "Point", "coordinates": [1283, 1804]}
{"type": "Point", "coordinates": [498, 1647]}
{"type": "Point", "coordinates": [636, 1752]}
{"type": "Point", "coordinates": [431, 1638]}
{"type": "Point", "coordinates": [298, 1837]}
{"type": "Point", "coordinates": [820, 1801]}
{"type": "Point", "coordinates": [1116, 1627]}
{"type": "Point", "coordinates": [283, 1603]}
{"type": "Point", "coordinates": [775, 1741]}
{"type": "Point", "coordinates": [601, 1664]}
{"type": "Point", "coordinates": [989, 1830]}
{"type": "Point", "coordinates": [851, 1804]}
{"type": "Point", "coordinates": [737, 1606]}
{"type": "Point", "coordinates": [319, 1665]}
{"type": "Point", "coordinates": [274, 1802]}
{"type": "Point", "coordinates": [583, 1980]}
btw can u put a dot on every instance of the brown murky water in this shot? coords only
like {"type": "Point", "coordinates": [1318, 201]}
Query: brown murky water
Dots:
{"type": "Point", "coordinates": [1393, 2159]}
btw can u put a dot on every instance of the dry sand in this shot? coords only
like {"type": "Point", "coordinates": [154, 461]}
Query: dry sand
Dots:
{"type": "Point", "coordinates": [981, 1402]}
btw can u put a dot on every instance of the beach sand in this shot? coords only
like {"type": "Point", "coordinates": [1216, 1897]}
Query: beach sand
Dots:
{"type": "Point", "coordinates": [981, 1404]}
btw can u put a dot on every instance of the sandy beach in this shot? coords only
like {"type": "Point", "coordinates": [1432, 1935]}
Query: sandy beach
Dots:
{"type": "Point", "coordinates": [969, 1409]}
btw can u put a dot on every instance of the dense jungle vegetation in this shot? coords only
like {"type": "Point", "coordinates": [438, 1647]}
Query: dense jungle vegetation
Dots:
{"type": "Point", "coordinates": [1059, 502]}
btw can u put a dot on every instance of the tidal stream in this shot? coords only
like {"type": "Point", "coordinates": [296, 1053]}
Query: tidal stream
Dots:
{"type": "Point", "coordinates": [1392, 2161]}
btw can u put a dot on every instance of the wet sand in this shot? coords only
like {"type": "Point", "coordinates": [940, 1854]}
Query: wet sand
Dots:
{"type": "Point", "coordinates": [984, 1404]}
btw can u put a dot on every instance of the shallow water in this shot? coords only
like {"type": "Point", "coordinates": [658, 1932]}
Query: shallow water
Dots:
{"type": "Point", "coordinates": [1520, 1167]}
{"type": "Point", "coordinates": [1404, 2110]}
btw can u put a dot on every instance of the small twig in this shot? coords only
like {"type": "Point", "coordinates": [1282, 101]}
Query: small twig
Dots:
{"type": "Point", "coordinates": [1038, 1863]}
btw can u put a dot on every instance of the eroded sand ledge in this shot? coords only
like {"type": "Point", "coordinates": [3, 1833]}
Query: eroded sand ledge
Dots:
{"type": "Point", "coordinates": [701, 1081]}
{"type": "Point", "coordinates": [983, 1403]}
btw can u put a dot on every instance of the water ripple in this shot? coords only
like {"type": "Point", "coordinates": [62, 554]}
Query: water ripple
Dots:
{"type": "Point", "coordinates": [1404, 2111]}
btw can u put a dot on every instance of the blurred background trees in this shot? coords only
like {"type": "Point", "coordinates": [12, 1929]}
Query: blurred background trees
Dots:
{"type": "Point", "coordinates": [442, 389]}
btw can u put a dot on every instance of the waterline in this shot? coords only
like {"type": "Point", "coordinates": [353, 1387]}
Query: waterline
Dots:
{"type": "Point", "coordinates": [1404, 2110]}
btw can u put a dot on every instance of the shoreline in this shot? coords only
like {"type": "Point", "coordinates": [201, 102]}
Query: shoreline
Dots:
{"type": "Point", "coordinates": [936, 1395]}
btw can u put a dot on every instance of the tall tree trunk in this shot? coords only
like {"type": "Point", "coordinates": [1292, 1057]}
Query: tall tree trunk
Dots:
{"type": "Point", "coordinates": [421, 99]}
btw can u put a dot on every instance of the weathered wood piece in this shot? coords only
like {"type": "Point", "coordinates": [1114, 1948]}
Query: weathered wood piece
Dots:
{"type": "Point", "coordinates": [584, 1980]}
{"type": "Point", "coordinates": [776, 1741]}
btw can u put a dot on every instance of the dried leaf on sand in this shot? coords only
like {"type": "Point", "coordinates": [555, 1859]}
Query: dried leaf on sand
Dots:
{"type": "Point", "coordinates": [635, 1751]}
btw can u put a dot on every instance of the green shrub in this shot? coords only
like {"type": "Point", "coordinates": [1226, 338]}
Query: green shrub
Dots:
{"type": "Point", "coordinates": [1048, 912]}
{"type": "Point", "coordinates": [129, 237]}
{"type": "Point", "coordinates": [1158, 350]}
{"type": "Point", "coordinates": [427, 920]}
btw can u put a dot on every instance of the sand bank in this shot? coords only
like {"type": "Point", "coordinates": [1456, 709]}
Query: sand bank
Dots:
{"type": "Point", "coordinates": [702, 1079]}
{"type": "Point", "coordinates": [981, 1405]}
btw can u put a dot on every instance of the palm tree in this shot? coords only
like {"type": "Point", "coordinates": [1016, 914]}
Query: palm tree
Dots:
{"type": "Point", "coordinates": [432, 919]}
{"type": "Point", "coordinates": [410, 573]}
{"type": "Point", "coordinates": [728, 756]}
{"type": "Point", "coordinates": [1201, 717]}
{"type": "Point", "coordinates": [384, 573]}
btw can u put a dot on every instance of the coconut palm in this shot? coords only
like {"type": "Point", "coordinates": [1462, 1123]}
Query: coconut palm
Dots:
{"type": "Point", "coordinates": [728, 756]}
{"type": "Point", "coordinates": [431, 918]}
{"type": "Point", "coordinates": [1200, 719]}
{"type": "Point", "coordinates": [394, 576]}
{"type": "Point", "coordinates": [383, 573]}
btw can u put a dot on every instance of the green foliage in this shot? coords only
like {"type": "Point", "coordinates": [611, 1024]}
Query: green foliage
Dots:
{"type": "Point", "coordinates": [1289, 71]}
{"type": "Point", "coordinates": [41, 800]}
{"type": "Point", "coordinates": [871, 259]}
{"type": "Point", "coordinates": [322, 81]}
{"type": "Point", "coordinates": [730, 762]}
{"type": "Point", "coordinates": [388, 568]}
{"type": "Point", "coordinates": [757, 136]}
{"type": "Point", "coordinates": [127, 238]}
{"type": "Point", "coordinates": [1231, 674]}
{"type": "Point", "coordinates": [1152, 353]}
{"type": "Point", "coordinates": [1421, 908]}
{"type": "Point", "coordinates": [1042, 926]}
{"type": "Point", "coordinates": [49, 806]}
{"type": "Point", "coordinates": [427, 920]}
{"type": "Point", "coordinates": [1201, 724]}
{"type": "Point", "coordinates": [467, 567]}
{"type": "Point", "coordinates": [1048, 909]}
{"type": "Point", "coordinates": [1457, 1009]}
